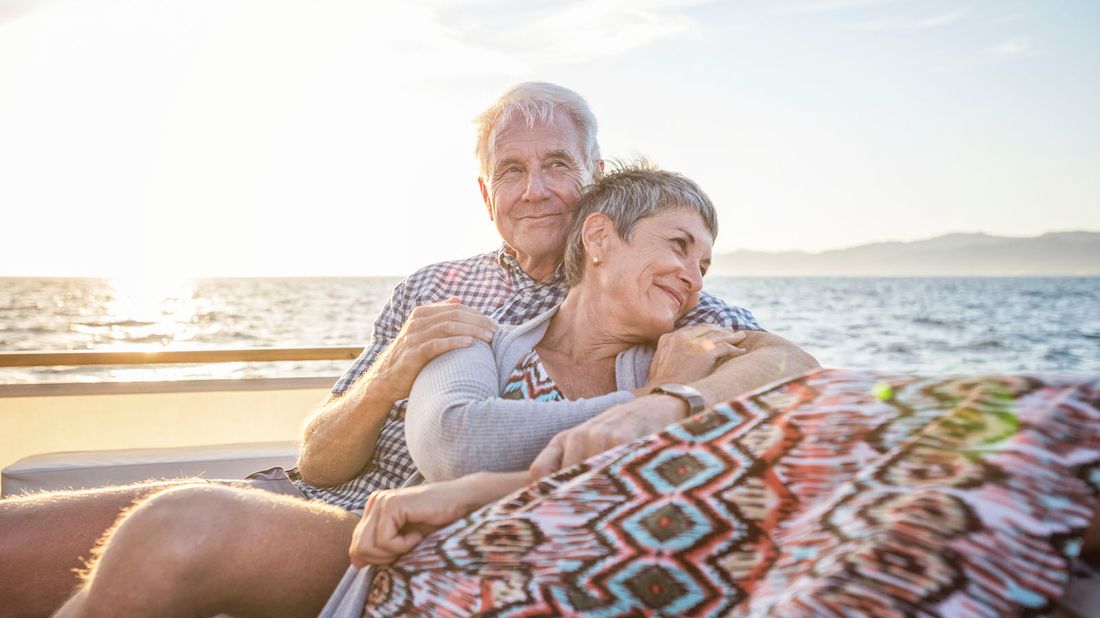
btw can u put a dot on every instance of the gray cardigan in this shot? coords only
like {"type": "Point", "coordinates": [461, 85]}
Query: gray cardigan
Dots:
{"type": "Point", "coordinates": [457, 423]}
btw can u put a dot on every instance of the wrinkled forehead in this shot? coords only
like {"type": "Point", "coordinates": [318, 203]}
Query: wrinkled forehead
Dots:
{"type": "Point", "coordinates": [518, 136]}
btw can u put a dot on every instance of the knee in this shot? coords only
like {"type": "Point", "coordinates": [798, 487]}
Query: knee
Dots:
{"type": "Point", "coordinates": [179, 531]}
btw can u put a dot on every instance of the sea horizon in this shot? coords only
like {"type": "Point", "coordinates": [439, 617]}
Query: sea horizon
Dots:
{"type": "Point", "coordinates": [931, 325]}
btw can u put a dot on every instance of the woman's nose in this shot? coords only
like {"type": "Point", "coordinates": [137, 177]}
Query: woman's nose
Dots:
{"type": "Point", "coordinates": [693, 275]}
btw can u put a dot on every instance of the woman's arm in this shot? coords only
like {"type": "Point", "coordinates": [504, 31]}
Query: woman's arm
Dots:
{"type": "Point", "coordinates": [394, 521]}
{"type": "Point", "coordinates": [457, 423]}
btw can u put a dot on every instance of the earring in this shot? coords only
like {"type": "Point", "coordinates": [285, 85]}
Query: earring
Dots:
{"type": "Point", "coordinates": [595, 260]}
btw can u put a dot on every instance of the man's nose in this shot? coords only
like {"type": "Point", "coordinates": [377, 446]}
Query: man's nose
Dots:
{"type": "Point", "coordinates": [536, 187]}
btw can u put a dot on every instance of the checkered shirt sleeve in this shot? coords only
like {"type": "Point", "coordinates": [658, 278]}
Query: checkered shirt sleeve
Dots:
{"type": "Point", "coordinates": [714, 310]}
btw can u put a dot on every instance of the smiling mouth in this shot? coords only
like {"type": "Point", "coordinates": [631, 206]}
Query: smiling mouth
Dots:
{"type": "Point", "coordinates": [679, 299]}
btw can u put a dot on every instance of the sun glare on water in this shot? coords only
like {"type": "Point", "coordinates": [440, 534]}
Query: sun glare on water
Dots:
{"type": "Point", "coordinates": [153, 313]}
{"type": "Point", "coordinates": [150, 310]}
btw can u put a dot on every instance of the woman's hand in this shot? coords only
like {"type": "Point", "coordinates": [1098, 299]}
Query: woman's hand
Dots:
{"type": "Point", "coordinates": [691, 353]}
{"type": "Point", "coordinates": [395, 520]}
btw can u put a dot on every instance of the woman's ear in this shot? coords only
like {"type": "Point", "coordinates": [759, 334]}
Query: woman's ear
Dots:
{"type": "Point", "coordinates": [597, 234]}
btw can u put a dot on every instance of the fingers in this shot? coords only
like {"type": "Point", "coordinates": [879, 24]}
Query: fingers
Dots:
{"type": "Point", "coordinates": [427, 323]}
{"type": "Point", "coordinates": [701, 332]}
{"type": "Point", "coordinates": [585, 444]}
{"type": "Point", "coordinates": [373, 541]}
{"type": "Point", "coordinates": [450, 310]}
{"type": "Point", "coordinates": [576, 448]}
{"type": "Point", "coordinates": [575, 445]}
{"type": "Point", "coordinates": [549, 460]}
{"type": "Point", "coordinates": [732, 353]}
{"type": "Point", "coordinates": [382, 535]}
{"type": "Point", "coordinates": [436, 328]}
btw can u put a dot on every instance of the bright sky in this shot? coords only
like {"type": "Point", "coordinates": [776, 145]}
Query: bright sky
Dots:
{"type": "Point", "coordinates": [151, 138]}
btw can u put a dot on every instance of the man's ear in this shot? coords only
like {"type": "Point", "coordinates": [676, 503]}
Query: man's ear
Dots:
{"type": "Point", "coordinates": [597, 234]}
{"type": "Point", "coordinates": [485, 196]}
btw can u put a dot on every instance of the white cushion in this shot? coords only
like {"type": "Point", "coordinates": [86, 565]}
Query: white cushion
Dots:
{"type": "Point", "coordinates": [88, 469]}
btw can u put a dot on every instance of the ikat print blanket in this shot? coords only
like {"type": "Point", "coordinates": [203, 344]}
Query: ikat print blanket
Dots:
{"type": "Point", "coordinates": [840, 493]}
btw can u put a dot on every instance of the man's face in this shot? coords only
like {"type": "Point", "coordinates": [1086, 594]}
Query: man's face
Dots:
{"type": "Point", "coordinates": [535, 176]}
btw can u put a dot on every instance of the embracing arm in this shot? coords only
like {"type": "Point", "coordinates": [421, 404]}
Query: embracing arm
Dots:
{"type": "Point", "coordinates": [457, 423]}
{"type": "Point", "coordinates": [340, 435]}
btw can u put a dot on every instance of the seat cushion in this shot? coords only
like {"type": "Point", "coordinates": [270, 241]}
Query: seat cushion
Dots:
{"type": "Point", "coordinates": [88, 469]}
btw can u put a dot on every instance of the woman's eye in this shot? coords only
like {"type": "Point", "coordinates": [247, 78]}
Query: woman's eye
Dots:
{"type": "Point", "coordinates": [681, 243]}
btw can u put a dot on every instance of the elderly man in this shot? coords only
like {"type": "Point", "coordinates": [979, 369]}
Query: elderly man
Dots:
{"type": "Point", "coordinates": [229, 547]}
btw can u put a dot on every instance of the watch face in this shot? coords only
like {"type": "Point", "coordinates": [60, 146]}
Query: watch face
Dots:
{"type": "Point", "coordinates": [679, 390]}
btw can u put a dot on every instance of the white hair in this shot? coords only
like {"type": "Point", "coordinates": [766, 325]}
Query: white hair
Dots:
{"type": "Point", "coordinates": [537, 102]}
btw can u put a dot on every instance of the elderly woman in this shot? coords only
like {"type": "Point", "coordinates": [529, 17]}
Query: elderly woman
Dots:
{"type": "Point", "coordinates": [837, 493]}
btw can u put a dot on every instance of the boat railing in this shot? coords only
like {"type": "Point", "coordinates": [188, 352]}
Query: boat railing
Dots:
{"type": "Point", "coordinates": [84, 358]}
{"type": "Point", "coordinates": [149, 357]}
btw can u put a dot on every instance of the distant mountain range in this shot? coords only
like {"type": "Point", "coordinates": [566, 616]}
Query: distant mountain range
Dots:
{"type": "Point", "coordinates": [953, 255]}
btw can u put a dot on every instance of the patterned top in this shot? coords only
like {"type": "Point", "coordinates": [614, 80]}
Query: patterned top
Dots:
{"type": "Point", "coordinates": [494, 284]}
{"type": "Point", "coordinates": [530, 381]}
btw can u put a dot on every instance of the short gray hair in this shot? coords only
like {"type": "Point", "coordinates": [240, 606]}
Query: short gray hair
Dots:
{"type": "Point", "coordinates": [628, 194]}
{"type": "Point", "coordinates": [537, 102]}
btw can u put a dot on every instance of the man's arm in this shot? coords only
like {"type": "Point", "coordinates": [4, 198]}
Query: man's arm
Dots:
{"type": "Point", "coordinates": [338, 439]}
{"type": "Point", "coordinates": [768, 358]}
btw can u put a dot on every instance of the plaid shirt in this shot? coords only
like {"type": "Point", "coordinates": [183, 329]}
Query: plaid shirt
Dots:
{"type": "Point", "coordinates": [494, 284]}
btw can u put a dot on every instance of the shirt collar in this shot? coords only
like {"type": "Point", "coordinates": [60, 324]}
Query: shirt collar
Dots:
{"type": "Point", "coordinates": [506, 257]}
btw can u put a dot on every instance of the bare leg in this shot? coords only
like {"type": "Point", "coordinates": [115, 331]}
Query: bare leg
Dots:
{"type": "Point", "coordinates": [45, 539]}
{"type": "Point", "coordinates": [203, 550]}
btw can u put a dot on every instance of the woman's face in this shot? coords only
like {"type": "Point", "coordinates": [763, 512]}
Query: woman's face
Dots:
{"type": "Point", "coordinates": [656, 276]}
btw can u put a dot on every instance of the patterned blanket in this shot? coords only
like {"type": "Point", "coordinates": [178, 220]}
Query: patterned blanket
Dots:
{"type": "Point", "coordinates": [839, 493]}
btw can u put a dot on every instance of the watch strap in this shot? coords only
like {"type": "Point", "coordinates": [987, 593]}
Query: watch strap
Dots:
{"type": "Point", "coordinates": [685, 393]}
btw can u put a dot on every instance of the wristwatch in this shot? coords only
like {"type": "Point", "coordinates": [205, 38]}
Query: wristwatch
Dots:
{"type": "Point", "coordinates": [685, 393]}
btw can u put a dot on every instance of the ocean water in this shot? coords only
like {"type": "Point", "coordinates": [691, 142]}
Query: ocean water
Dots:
{"type": "Point", "coordinates": [932, 326]}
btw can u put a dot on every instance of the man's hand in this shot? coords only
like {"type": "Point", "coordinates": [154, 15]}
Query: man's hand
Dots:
{"type": "Point", "coordinates": [430, 331]}
{"type": "Point", "coordinates": [691, 353]}
{"type": "Point", "coordinates": [620, 424]}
